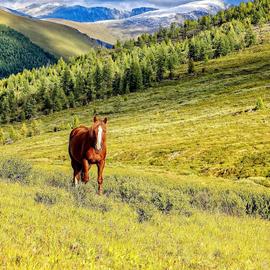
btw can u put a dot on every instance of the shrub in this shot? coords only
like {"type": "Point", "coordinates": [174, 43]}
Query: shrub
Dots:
{"type": "Point", "coordinates": [13, 134]}
{"type": "Point", "coordinates": [232, 204]}
{"type": "Point", "coordinates": [75, 122]}
{"type": "Point", "coordinates": [162, 202]}
{"type": "Point", "coordinates": [45, 198]}
{"type": "Point", "coordinates": [24, 130]}
{"type": "Point", "coordinates": [58, 180]}
{"type": "Point", "coordinates": [35, 127]}
{"type": "Point", "coordinates": [2, 136]}
{"type": "Point", "coordinates": [259, 104]}
{"type": "Point", "coordinates": [15, 170]}
{"type": "Point", "coordinates": [85, 197]}
{"type": "Point", "coordinates": [144, 212]}
{"type": "Point", "coordinates": [138, 193]}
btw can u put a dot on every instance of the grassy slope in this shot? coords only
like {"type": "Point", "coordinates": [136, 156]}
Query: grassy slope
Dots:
{"type": "Point", "coordinates": [106, 31]}
{"type": "Point", "coordinates": [182, 129]}
{"type": "Point", "coordinates": [54, 38]}
{"type": "Point", "coordinates": [62, 236]}
{"type": "Point", "coordinates": [180, 132]}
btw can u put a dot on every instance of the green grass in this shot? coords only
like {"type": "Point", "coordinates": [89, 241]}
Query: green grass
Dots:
{"type": "Point", "coordinates": [196, 144]}
{"type": "Point", "coordinates": [49, 227]}
{"type": "Point", "coordinates": [54, 38]}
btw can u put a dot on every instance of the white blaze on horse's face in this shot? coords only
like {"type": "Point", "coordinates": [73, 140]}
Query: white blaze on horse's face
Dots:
{"type": "Point", "coordinates": [99, 138]}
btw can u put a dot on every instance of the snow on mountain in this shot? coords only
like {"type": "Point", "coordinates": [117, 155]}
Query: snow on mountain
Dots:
{"type": "Point", "coordinates": [83, 14]}
{"type": "Point", "coordinates": [151, 21]}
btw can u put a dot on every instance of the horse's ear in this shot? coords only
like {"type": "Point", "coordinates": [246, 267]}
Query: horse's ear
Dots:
{"type": "Point", "coordinates": [95, 119]}
{"type": "Point", "coordinates": [105, 120]}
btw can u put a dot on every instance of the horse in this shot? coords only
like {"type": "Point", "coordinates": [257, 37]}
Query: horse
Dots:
{"type": "Point", "coordinates": [87, 146]}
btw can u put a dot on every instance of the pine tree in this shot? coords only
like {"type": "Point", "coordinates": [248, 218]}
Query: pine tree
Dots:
{"type": "Point", "coordinates": [29, 108]}
{"type": "Point", "coordinates": [250, 37]}
{"type": "Point", "coordinates": [4, 109]}
{"type": "Point", "coordinates": [98, 80]}
{"type": "Point", "coordinates": [108, 75]}
{"type": "Point", "coordinates": [67, 81]}
{"type": "Point", "coordinates": [135, 79]}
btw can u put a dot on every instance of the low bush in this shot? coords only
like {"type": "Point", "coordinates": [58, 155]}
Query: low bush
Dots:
{"type": "Point", "coordinates": [45, 198]}
{"type": "Point", "coordinates": [85, 196]}
{"type": "Point", "coordinates": [15, 170]}
{"type": "Point", "coordinates": [143, 196]}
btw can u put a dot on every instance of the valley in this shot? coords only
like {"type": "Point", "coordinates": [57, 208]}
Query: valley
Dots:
{"type": "Point", "coordinates": [191, 136]}
{"type": "Point", "coordinates": [187, 175]}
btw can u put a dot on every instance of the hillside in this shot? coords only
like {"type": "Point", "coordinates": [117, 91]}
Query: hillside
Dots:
{"type": "Point", "coordinates": [56, 39]}
{"type": "Point", "coordinates": [18, 53]}
{"type": "Point", "coordinates": [109, 32]}
{"type": "Point", "coordinates": [188, 164]}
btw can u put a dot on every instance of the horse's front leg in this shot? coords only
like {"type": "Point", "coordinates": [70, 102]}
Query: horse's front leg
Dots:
{"type": "Point", "coordinates": [101, 166]}
{"type": "Point", "coordinates": [85, 171]}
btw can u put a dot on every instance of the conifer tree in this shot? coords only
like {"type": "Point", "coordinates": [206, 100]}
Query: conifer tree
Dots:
{"type": "Point", "coordinates": [135, 78]}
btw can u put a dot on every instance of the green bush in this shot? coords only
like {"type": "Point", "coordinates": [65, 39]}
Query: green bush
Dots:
{"type": "Point", "coordinates": [260, 104]}
{"type": "Point", "coordinates": [45, 198]}
{"type": "Point", "coordinates": [58, 180]}
{"type": "Point", "coordinates": [85, 197]}
{"type": "Point", "coordinates": [15, 170]}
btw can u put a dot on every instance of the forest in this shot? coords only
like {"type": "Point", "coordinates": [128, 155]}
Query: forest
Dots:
{"type": "Point", "coordinates": [17, 53]}
{"type": "Point", "coordinates": [132, 66]}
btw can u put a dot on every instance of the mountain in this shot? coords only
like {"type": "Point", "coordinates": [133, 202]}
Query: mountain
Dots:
{"type": "Point", "coordinates": [149, 22]}
{"type": "Point", "coordinates": [59, 40]}
{"type": "Point", "coordinates": [17, 53]}
{"type": "Point", "coordinates": [80, 11]}
{"type": "Point", "coordinates": [83, 14]}
{"type": "Point", "coordinates": [14, 11]}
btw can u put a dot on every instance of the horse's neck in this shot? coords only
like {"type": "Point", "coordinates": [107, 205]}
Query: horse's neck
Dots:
{"type": "Point", "coordinates": [91, 134]}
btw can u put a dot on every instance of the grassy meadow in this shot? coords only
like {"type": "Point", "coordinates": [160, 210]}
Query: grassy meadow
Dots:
{"type": "Point", "coordinates": [186, 184]}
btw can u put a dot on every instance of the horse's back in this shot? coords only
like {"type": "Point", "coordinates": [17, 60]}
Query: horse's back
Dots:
{"type": "Point", "coordinates": [77, 131]}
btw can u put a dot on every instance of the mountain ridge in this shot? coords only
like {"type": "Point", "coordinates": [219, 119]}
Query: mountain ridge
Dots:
{"type": "Point", "coordinates": [149, 22]}
{"type": "Point", "coordinates": [79, 13]}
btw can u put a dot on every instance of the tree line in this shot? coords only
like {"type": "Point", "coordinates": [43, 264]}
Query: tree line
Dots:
{"type": "Point", "coordinates": [103, 73]}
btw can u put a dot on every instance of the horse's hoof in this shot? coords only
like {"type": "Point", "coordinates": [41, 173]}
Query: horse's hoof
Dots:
{"type": "Point", "coordinates": [85, 181]}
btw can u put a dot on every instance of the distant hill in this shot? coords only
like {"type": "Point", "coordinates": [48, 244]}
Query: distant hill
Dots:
{"type": "Point", "coordinates": [145, 22]}
{"type": "Point", "coordinates": [17, 53]}
{"type": "Point", "coordinates": [83, 14]}
{"type": "Point", "coordinates": [59, 40]}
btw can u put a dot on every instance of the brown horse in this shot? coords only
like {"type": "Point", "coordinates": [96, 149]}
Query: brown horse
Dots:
{"type": "Point", "coordinates": [87, 146]}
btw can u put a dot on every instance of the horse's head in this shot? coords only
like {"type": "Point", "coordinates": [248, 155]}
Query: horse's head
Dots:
{"type": "Point", "coordinates": [99, 132]}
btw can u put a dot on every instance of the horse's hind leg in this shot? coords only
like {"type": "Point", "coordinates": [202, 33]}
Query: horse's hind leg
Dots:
{"type": "Point", "coordinates": [77, 168]}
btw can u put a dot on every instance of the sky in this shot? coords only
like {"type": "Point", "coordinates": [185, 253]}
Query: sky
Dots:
{"type": "Point", "coordinates": [126, 4]}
